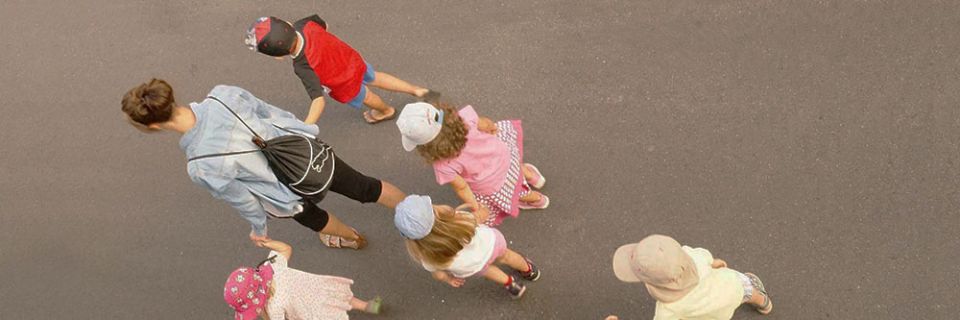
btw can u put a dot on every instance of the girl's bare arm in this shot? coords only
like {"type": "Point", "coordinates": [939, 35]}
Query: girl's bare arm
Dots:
{"type": "Point", "coordinates": [280, 247]}
{"type": "Point", "coordinates": [462, 189]}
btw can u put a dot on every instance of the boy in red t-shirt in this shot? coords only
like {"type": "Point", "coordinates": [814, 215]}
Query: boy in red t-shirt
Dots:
{"type": "Point", "coordinates": [325, 63]}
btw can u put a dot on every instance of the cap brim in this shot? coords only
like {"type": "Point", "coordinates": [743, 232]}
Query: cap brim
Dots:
{"type": "Point", "coordinates": [621, 264]}
{"type": "Point", "coordinates": [408, 144]}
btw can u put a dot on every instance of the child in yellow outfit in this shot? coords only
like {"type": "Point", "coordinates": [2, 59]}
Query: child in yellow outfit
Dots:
{"type": "Point", "coordinates": [688, 283]}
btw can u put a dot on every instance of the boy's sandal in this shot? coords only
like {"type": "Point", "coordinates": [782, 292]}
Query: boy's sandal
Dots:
{"type": "Point", "coordinates": [368, 117]}
{"type": "Point", "coordinates": [374, 306]}
{"type": "Point", "coordinates": [767, 306]}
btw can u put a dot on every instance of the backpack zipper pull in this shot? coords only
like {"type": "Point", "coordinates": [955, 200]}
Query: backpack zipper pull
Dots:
{"type": "Point", "coordinates": [259, 142]}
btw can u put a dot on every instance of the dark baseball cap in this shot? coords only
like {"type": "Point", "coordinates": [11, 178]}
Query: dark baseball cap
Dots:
{"type": "Point", "coordinates": [271, 36]}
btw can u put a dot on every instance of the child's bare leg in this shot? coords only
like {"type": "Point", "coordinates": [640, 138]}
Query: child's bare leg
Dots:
{"type": "Point", "coordinates": [389, 82]}
{"type": "Point", "coordinates": [357, 304]}
{"type": "Point", "coordinates": [496, 275]}
{"type": "Point", "coordinates": [514, 260]}
{"type": "Point", "coordinates": [380, 109]}
{"type": "Point", "coordinates": [337, 228]}
{"type": "Point", "coordinates": [390, 195]}
{"type": "Point", "coordinates": [532, 196]}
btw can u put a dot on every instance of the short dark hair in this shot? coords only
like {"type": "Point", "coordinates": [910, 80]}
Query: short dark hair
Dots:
{"type": "Point", "coordinates": [149, 103]}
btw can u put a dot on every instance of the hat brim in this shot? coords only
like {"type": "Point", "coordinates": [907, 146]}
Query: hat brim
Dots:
{"type": "Point", "coordinates": [621, 263]}
{"type": "Point", "coordinates": [408, 144]}
{"type": "Point", "coordinates": [688, 280]}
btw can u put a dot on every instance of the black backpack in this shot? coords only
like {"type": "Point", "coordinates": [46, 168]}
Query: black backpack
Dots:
{"type": "Point", "coordinates": [303, 164]}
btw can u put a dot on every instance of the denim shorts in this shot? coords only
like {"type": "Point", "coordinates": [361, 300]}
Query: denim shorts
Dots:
{"type": "Point", "coordinates": [368, 77]}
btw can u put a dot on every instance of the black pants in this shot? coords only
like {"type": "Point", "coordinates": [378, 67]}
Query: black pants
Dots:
{"type": "Point", "coordinates": [346, 181]}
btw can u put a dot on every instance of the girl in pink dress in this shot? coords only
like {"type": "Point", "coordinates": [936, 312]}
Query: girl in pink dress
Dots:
{"type": "Point", "coordinates": [482, 160]}
{"type": "Point", "coordinates": [274, 291]}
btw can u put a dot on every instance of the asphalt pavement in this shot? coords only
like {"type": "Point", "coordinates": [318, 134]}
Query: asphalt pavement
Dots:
{"type": "Point", "coordinates": [814, 143]}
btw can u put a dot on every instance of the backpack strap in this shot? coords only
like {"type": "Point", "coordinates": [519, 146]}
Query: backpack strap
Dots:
{"type": "Point", "coordinates": [256, 140]}
{"type": "Point", "coordinates": [221, 154]}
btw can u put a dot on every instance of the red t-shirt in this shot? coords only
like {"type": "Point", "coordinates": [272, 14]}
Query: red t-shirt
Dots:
{"type": "Point", "coordinates": [325, 61]}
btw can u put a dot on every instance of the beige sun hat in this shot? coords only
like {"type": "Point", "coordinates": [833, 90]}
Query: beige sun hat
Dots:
{"type": "Point", "coordinates": [660, 263]}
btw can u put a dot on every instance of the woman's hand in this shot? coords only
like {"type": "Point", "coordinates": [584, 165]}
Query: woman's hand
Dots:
{"type": "Point", "coordinates": [258, 240]}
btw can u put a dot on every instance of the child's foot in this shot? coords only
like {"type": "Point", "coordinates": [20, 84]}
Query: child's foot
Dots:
{"type": "Point", "coordinates": [373, 306]}
{"type": "Point", "coordinates": [375, 116]}
{"type": "Point", "coordinates": [515, 288]}
{"type": "Point", "coordinates": [543, 203]}
{"type": "Point", "coordinates": [767, 305]}
{"type": "Point", "coordinates": [533, 273]}
{"type": "Point", "coordinates": [427, 95]}
{"type": "Point", "coordinates": [538, 180]}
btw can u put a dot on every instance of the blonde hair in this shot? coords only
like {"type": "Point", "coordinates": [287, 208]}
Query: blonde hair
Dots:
{"type": "Point", "coordinates": [451, 231]}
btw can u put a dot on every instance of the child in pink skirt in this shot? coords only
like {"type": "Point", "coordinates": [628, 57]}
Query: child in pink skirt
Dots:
{"type": "Point", "coordinates": [453, 245]}
{"type": "Point", "coordinates": [481, 159]}
{"type": "Point", "coordinates": [274, 291]}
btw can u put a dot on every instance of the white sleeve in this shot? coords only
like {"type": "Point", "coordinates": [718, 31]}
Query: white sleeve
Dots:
{"type": "Point", "coordinates": [279, 261]}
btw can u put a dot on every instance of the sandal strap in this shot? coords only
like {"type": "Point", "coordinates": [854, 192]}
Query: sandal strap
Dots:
{"type": "Point", "coordinates": [331, 241]}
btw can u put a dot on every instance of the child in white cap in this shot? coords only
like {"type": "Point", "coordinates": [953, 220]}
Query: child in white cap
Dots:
{"type": "Point", "coordinates": [482, 160]}
{"type": "Point", "coordinates": [688, 283]}
{"type": "Point", "coordinates": [453, 245]}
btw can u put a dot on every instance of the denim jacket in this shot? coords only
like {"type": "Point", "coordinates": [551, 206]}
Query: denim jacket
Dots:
{"type": "Point", "coordinates": [245, 181]}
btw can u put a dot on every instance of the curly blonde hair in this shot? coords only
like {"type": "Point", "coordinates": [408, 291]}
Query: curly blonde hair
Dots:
{"type": "Point", "coordinates": [451, 232]}
{"type": "Point", "coordinates": [451, 139]}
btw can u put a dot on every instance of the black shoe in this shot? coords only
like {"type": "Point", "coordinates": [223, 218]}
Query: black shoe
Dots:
{"type": "Point", "coordinates": [533, 274]}
{"type": "Point", "coordinates": [430, 97]}
{"type": "Point", "coordinates": [516, 289]}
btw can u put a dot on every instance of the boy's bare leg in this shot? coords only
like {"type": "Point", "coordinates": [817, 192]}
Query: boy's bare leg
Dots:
{"type": "Point", "coordinates": [387, 81]}
{"type": "Point", "coordinates": [496, 275]}
{"type": "Point", "coordinates": [390, 195]}
{"type": "Point", "coordinates": [514, 260]}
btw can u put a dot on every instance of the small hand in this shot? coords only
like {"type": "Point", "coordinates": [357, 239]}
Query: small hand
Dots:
{"type": "Point", "coordinates": [718, 263]}
{"type": "Point", "coordinates": [258, 240]}
{"type": "Point", "coordinates": [482, 214]}
{"type": "Point", "coordinates": [455, 282]}
{"type": "Point", "coordinates": [612, 318]}
{"type": "Point", "coordinates": [488, 126]}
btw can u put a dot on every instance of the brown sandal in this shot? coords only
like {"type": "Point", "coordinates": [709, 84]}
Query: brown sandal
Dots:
{"type": "Point", "coordinates": [333, 241]}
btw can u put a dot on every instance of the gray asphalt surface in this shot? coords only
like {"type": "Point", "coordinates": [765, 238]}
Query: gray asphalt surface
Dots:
{"type": "Point", "coordinates": [814, 143]}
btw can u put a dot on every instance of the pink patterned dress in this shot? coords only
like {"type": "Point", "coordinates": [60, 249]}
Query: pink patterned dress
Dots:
{"type": "Point", "coordinates": [491, 166]}
{"type": "Point", "coordinates": [300, 295]}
